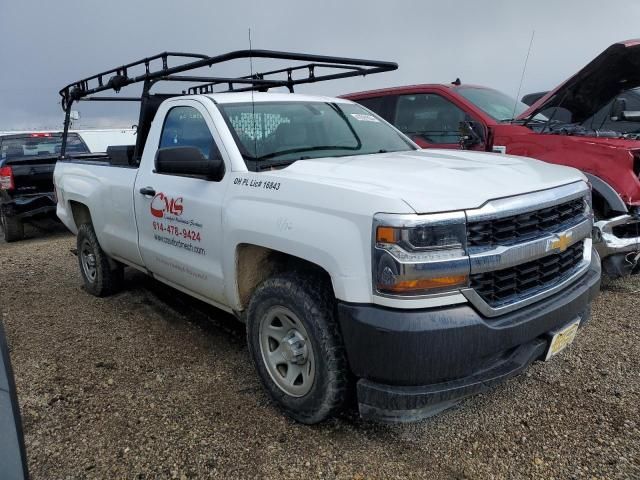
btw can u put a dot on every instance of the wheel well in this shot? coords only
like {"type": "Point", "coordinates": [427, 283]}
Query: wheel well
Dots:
{"type": "Point", "coordinates": [80, 213]}
{"type": "Point", "coordinates": [606, 200]}
{"type": "Point", "coordinates": [254, 264]}
{"type": "Point", "coordinates": [600, 206]}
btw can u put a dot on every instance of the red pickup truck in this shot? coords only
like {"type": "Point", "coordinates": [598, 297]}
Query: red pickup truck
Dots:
{"type": "Point", "coordinates": [584, 123]}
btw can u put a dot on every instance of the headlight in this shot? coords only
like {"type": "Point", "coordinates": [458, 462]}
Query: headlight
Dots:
{"type": "Point", "coordinates": [420, 254]}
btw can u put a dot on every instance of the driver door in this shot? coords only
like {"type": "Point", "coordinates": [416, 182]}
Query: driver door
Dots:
{"type": "Point", "coordinates": [179, 217]}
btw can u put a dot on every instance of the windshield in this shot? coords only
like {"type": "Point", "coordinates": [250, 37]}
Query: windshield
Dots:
{"type": "Point", "coordinates": [497, 105]}
{"type": "Point", "coordinates": [37, 144]}
{"type": "Point", "coordinates": [283, 132]}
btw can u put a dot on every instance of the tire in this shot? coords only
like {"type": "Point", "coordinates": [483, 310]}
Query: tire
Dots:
{"type": "Point", "coordinates": [12, 228]}
{"type": "Point", "coordinates": [99, 276]}
{"type": "Point", "coordinates": [323, 385]}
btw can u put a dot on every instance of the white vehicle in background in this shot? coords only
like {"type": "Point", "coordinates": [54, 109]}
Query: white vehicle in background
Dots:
{"type": "Point", "coordinates": [359, 263]}
{"type": "Point", "coordinates": [98, 139]}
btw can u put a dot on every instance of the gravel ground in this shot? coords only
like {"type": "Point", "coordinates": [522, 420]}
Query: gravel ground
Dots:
{"type": "Point", "coordinates": [149, 384]}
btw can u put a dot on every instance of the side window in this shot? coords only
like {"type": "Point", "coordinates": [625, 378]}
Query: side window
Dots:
{"type": "Point", "coordinates": [373, 104]}
{"type": "Point", "coordinates": [430, 117]}
{"type": "Point", "coordinates": [186, 127]}
{"type": "Point", "coordinates": [379, 105]}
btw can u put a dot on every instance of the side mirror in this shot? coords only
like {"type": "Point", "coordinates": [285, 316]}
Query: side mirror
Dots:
{"type": "Point", "coordinates": [189, 161]}
{"type": "Point", "coordinates": [469, 136]}
{"type": "Point", "coordinates": [631, 115]}
{"type": "Point", "coordinates": [618, 107]}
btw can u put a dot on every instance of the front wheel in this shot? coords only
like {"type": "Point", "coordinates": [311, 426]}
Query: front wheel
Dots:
{"type": "Point", "coordinates": [296, 347]}
{"type": "Point", "coordinates": [100, 277]}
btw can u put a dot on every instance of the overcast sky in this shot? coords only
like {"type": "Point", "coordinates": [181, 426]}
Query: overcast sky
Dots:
{"type": "Point", "coordinates": [46, 44]}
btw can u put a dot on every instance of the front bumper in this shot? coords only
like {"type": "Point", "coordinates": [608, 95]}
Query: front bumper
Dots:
{"type": "Point", "coordinates": [413, 364]}
{"type": "Point", "coordinates": [616, 235]}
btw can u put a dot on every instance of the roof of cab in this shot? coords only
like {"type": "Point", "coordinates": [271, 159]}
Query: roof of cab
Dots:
{"type": "Point", "coordinates": [244, 97]}
{"type": "Point", "coordinates": [405, 89]}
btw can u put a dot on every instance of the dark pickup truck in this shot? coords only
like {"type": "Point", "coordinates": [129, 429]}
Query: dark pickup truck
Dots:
{"type": "Point", "coordinates": [27, 161]}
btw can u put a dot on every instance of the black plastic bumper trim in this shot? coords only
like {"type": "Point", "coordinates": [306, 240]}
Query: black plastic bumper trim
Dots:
{"type": "Point", "coordinates": [414, 363]}
{"type": "Point", "coordinates": [29, 205]}
{"type": "Point", "coordinates": [406, 404]}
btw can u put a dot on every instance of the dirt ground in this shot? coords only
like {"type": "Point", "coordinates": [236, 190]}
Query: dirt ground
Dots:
{"type": "Point", "coordinates": [150, 384]}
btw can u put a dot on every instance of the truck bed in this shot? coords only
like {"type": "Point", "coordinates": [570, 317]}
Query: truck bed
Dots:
{"type": "Point", "coordinates": [115, 156]}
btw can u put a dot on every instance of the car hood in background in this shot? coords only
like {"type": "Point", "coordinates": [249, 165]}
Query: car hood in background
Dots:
{"type": "Point", "coordinates": [613, 71]}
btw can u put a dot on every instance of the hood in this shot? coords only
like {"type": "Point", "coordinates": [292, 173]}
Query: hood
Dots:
{"type": "Point", "coordinates": [431, 181]}
{"type": "Point", "coordinates": [613, 71]}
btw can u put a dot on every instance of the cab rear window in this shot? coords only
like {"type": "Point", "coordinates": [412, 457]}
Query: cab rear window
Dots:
{"type": "Point", "coordinates": [39, 144]}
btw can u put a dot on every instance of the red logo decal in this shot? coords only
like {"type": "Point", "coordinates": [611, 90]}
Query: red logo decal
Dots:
{"type": "Point", "coordinates": [162, 204]}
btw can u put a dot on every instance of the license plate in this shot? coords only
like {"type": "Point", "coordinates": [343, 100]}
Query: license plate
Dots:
{"type": "Point", "coordinates": [562, 339]}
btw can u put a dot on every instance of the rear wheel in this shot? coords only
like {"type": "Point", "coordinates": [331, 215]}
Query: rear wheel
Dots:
{"type": "Point", "coordinates": [12, 227]}
{"type": "Point", "coordinates": [100, 276]}
{"type": "Point", "coordinates": [296, 347]}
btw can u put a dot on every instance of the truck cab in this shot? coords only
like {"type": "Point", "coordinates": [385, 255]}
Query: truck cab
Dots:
{"type": "Point", "coordinates": [581, 124]}
{"type": "Point", "coordinates": [361, 264]}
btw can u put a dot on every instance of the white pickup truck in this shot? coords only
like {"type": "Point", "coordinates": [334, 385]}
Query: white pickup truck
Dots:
{"type": "Point", "coordinates": [359, 262]}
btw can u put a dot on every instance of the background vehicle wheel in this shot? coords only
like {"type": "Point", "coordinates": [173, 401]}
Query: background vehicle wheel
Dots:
{"type": "Point", "coordinates": [296, 346]}
{"type": "Point", "coordinates": [99, 276]}
{"type": "Point", "coordinates": [12, 228]}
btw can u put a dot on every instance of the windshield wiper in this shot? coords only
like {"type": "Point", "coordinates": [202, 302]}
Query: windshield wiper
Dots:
{"type": "Point", "coordinates": [268, 165]}
{"type": "Point", "coordinates": [305, 149]}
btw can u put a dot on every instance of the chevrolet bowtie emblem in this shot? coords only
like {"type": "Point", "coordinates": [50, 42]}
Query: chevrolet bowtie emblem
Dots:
{"type": "Point", "coordinates": [559, 242]}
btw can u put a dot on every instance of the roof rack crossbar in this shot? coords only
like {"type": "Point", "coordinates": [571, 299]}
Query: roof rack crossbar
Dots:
{"type": "Point", "coordinates": [311, 77]}
{"type": "Point", "coordinates": [117, 78]}
{"type": "Point", "coordinates": [110, 99]}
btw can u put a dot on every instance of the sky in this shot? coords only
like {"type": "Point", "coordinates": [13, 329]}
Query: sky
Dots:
{"type": "Point", "coordinates": [45, 45]}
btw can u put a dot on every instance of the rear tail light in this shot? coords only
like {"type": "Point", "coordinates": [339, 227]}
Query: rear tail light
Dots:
{"type": "Point", "coordinates": [6, 179]}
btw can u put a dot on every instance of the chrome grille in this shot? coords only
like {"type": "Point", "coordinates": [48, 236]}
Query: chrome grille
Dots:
{"type": "Point", "coordinates": [525, 226]}
{"type": "Point", "coordinates": [509, 285]}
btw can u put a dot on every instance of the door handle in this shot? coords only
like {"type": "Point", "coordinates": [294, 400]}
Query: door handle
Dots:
{"type": "Point", "coordinates": [148, 191]}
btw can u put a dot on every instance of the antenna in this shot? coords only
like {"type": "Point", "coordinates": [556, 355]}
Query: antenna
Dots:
{"type": "Point", "coordinates": [253, 104]}
{"type": "Point", "coordinates": [524, 69]}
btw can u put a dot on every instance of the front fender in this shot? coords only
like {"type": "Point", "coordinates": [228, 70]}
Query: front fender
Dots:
{"type": "Point", "coordinates": [337, 242]}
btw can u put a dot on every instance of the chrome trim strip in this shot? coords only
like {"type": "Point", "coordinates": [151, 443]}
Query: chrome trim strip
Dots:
{"type": "Point", "coordinates": [409, 220]}
{"type": "Point", "coordinates": [509, 256]}
{"type": "Point", "coordinates": [510, 206]}
{"type": "Point", "coordinates": [452, 294]}
{"type": "Point", "coordinates": [488, 311]}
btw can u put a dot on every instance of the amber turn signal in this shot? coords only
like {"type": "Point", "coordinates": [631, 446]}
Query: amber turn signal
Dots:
{"type": "Point", "coordinates": [412, 286]}
{"type": "Point", "coordinates": [386, 235]}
